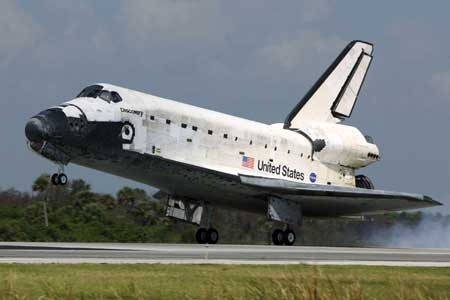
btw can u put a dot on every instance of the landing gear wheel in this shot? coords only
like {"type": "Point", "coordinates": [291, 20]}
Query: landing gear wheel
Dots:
{"type": "Point", "coordinates": [278, 237]}
{"type": "Point", "coordinates": [289, 237]}
{"type": "Point", "coordinates": [213, 236]}
{"type": "Point", "coordinates": [62, 179]}
{"type": "Point", "coordinates": [201, 236]}
{"type": "Point", "coordinates": [55, 179]}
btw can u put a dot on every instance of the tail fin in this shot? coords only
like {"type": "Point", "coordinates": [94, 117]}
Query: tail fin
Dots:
{"type": "Point", "coordinates": [334, 95]}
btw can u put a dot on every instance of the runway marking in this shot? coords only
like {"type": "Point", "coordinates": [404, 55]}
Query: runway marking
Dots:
{"type": "Point", "coordinates": [217, 254]}
{"type": "Point", "coordinates": [220, 262]}
{"type": "Point", "coordinates": [212, 248]}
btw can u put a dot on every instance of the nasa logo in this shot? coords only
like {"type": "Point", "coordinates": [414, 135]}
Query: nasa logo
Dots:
{"type": "Point", "coordinates": [312, 177]}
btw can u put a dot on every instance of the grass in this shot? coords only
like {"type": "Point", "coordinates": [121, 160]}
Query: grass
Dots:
{"type": "Point", "coordinates": [86, 281]}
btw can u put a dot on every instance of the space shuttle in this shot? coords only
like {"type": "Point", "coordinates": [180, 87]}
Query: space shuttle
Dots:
{"type": "Point", "coordinates": [307, 166]}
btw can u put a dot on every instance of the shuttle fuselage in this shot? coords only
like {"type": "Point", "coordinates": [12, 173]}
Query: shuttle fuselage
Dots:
{"type": "Point", "coordinates": [302, 167]}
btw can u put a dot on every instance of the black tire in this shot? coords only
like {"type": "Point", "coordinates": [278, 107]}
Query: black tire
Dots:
{"type": "Point", "coordinates": [62, 179]}
{"type": "Point", "coordinates": [201, 236]}
{"type": "Point", "coordinates": [55, 179]}
{"type": "Point", "coordinates": [213, 236]}
{"type": "Point", "coordinates": [364, 182]}
{"type": "Point", "coordinates": [289, 237]}
{"type": "Point", "coordinates": [278, 237]}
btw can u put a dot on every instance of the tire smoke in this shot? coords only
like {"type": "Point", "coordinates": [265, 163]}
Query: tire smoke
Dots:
{"type": "Point", "coordinates": [432, 231]}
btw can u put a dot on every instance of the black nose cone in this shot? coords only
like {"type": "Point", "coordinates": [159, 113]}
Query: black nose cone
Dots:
{"type": "Point", "coordinates": [49, 125]}
{"type": "Point", "coordinates": [35, 130]}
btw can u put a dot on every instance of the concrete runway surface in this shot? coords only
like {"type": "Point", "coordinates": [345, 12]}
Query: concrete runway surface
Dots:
{"type": "Point", "coordinates": [217, 254]}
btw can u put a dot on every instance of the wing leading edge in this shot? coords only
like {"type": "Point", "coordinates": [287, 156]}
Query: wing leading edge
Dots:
{"type": "Point", "coordinates": [327, 200]}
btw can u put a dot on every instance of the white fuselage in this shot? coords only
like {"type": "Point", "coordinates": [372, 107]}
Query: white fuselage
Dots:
{"type": "Point", "coordinates": [218, 141]}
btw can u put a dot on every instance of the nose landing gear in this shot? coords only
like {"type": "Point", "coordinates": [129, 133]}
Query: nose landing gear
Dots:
{"type": "Point", "coordinates": [59, 178]}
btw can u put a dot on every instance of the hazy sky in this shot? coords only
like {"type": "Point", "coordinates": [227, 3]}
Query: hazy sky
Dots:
{"type": "Point", "coordinates": [254, 59]}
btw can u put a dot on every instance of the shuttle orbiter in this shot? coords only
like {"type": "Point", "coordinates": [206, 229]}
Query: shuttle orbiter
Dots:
{"type": "Point", "coordinates": [201, 158]}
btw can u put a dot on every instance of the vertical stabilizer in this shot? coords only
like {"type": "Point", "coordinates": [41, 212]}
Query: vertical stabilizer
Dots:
{"type": "Point", "coordinates": [334, 95]}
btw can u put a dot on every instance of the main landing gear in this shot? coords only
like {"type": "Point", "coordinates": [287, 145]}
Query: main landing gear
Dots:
{"type": "Point", "coordinates": [194, 212]}
{"type": "Point", "coordinates": [210, 235]}
{"type": "Point", "coordinates": [207, 236]}
{"type": "Point", "coordinates": [59, 178]}
{"type": "Point", "coordinates": [286, 237]}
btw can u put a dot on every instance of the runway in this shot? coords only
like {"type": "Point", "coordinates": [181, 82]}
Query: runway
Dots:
{"type": "Point", "coordinates": [217, 254]}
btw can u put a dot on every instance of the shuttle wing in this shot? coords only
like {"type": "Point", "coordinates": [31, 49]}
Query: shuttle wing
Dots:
{"type": "Point", "coordinates": [334, 95]}
{"type": "Point", "coordinates": [328, 200]}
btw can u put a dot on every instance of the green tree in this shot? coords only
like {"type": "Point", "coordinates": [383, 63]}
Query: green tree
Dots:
{"type": "Point", "coordinates": [79, 185]}
{"type": "Point", "coordinates": [129, 197]}
{"type": "Point", "coordinates": [41, 185]}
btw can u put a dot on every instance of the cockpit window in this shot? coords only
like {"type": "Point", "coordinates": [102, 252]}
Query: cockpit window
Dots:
{"type": "Point", "coordinates": [105, 95]}
{"type": "Point", "coordinates": [369, 139]}
{"type": "Point", "coordinates": [110, 96]}
{"type": "Point", "coordinates": [95, 91]}
{"type": "Point", "coordinates": [116, 97]}
{"type": "Point", "coordinates": [91, 91]}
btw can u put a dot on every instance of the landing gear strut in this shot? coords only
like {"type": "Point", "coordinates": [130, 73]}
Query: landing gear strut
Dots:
{"type": "Point", "coordinates": [59, 178]}
{"type": "Point", "coordinates": [194, 212]}
{"type": "Point", "coordinates": [286, 237]}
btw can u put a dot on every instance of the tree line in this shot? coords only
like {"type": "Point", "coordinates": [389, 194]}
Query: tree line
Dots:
{"type": "Point", "coordinates": [75, 213]}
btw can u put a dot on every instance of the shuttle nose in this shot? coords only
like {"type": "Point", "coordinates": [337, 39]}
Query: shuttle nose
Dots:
{"type": "Point", "coordinates": [35, 130]}
{"type": "Point", "coordinates": [48, 125]}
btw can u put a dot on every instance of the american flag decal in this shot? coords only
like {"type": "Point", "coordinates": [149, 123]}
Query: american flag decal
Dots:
{"type": "Point", "coordinates": [248, 162]}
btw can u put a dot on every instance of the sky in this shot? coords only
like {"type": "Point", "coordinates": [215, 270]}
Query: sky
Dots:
{"type": "Point", "coordinates": [254, 59]}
